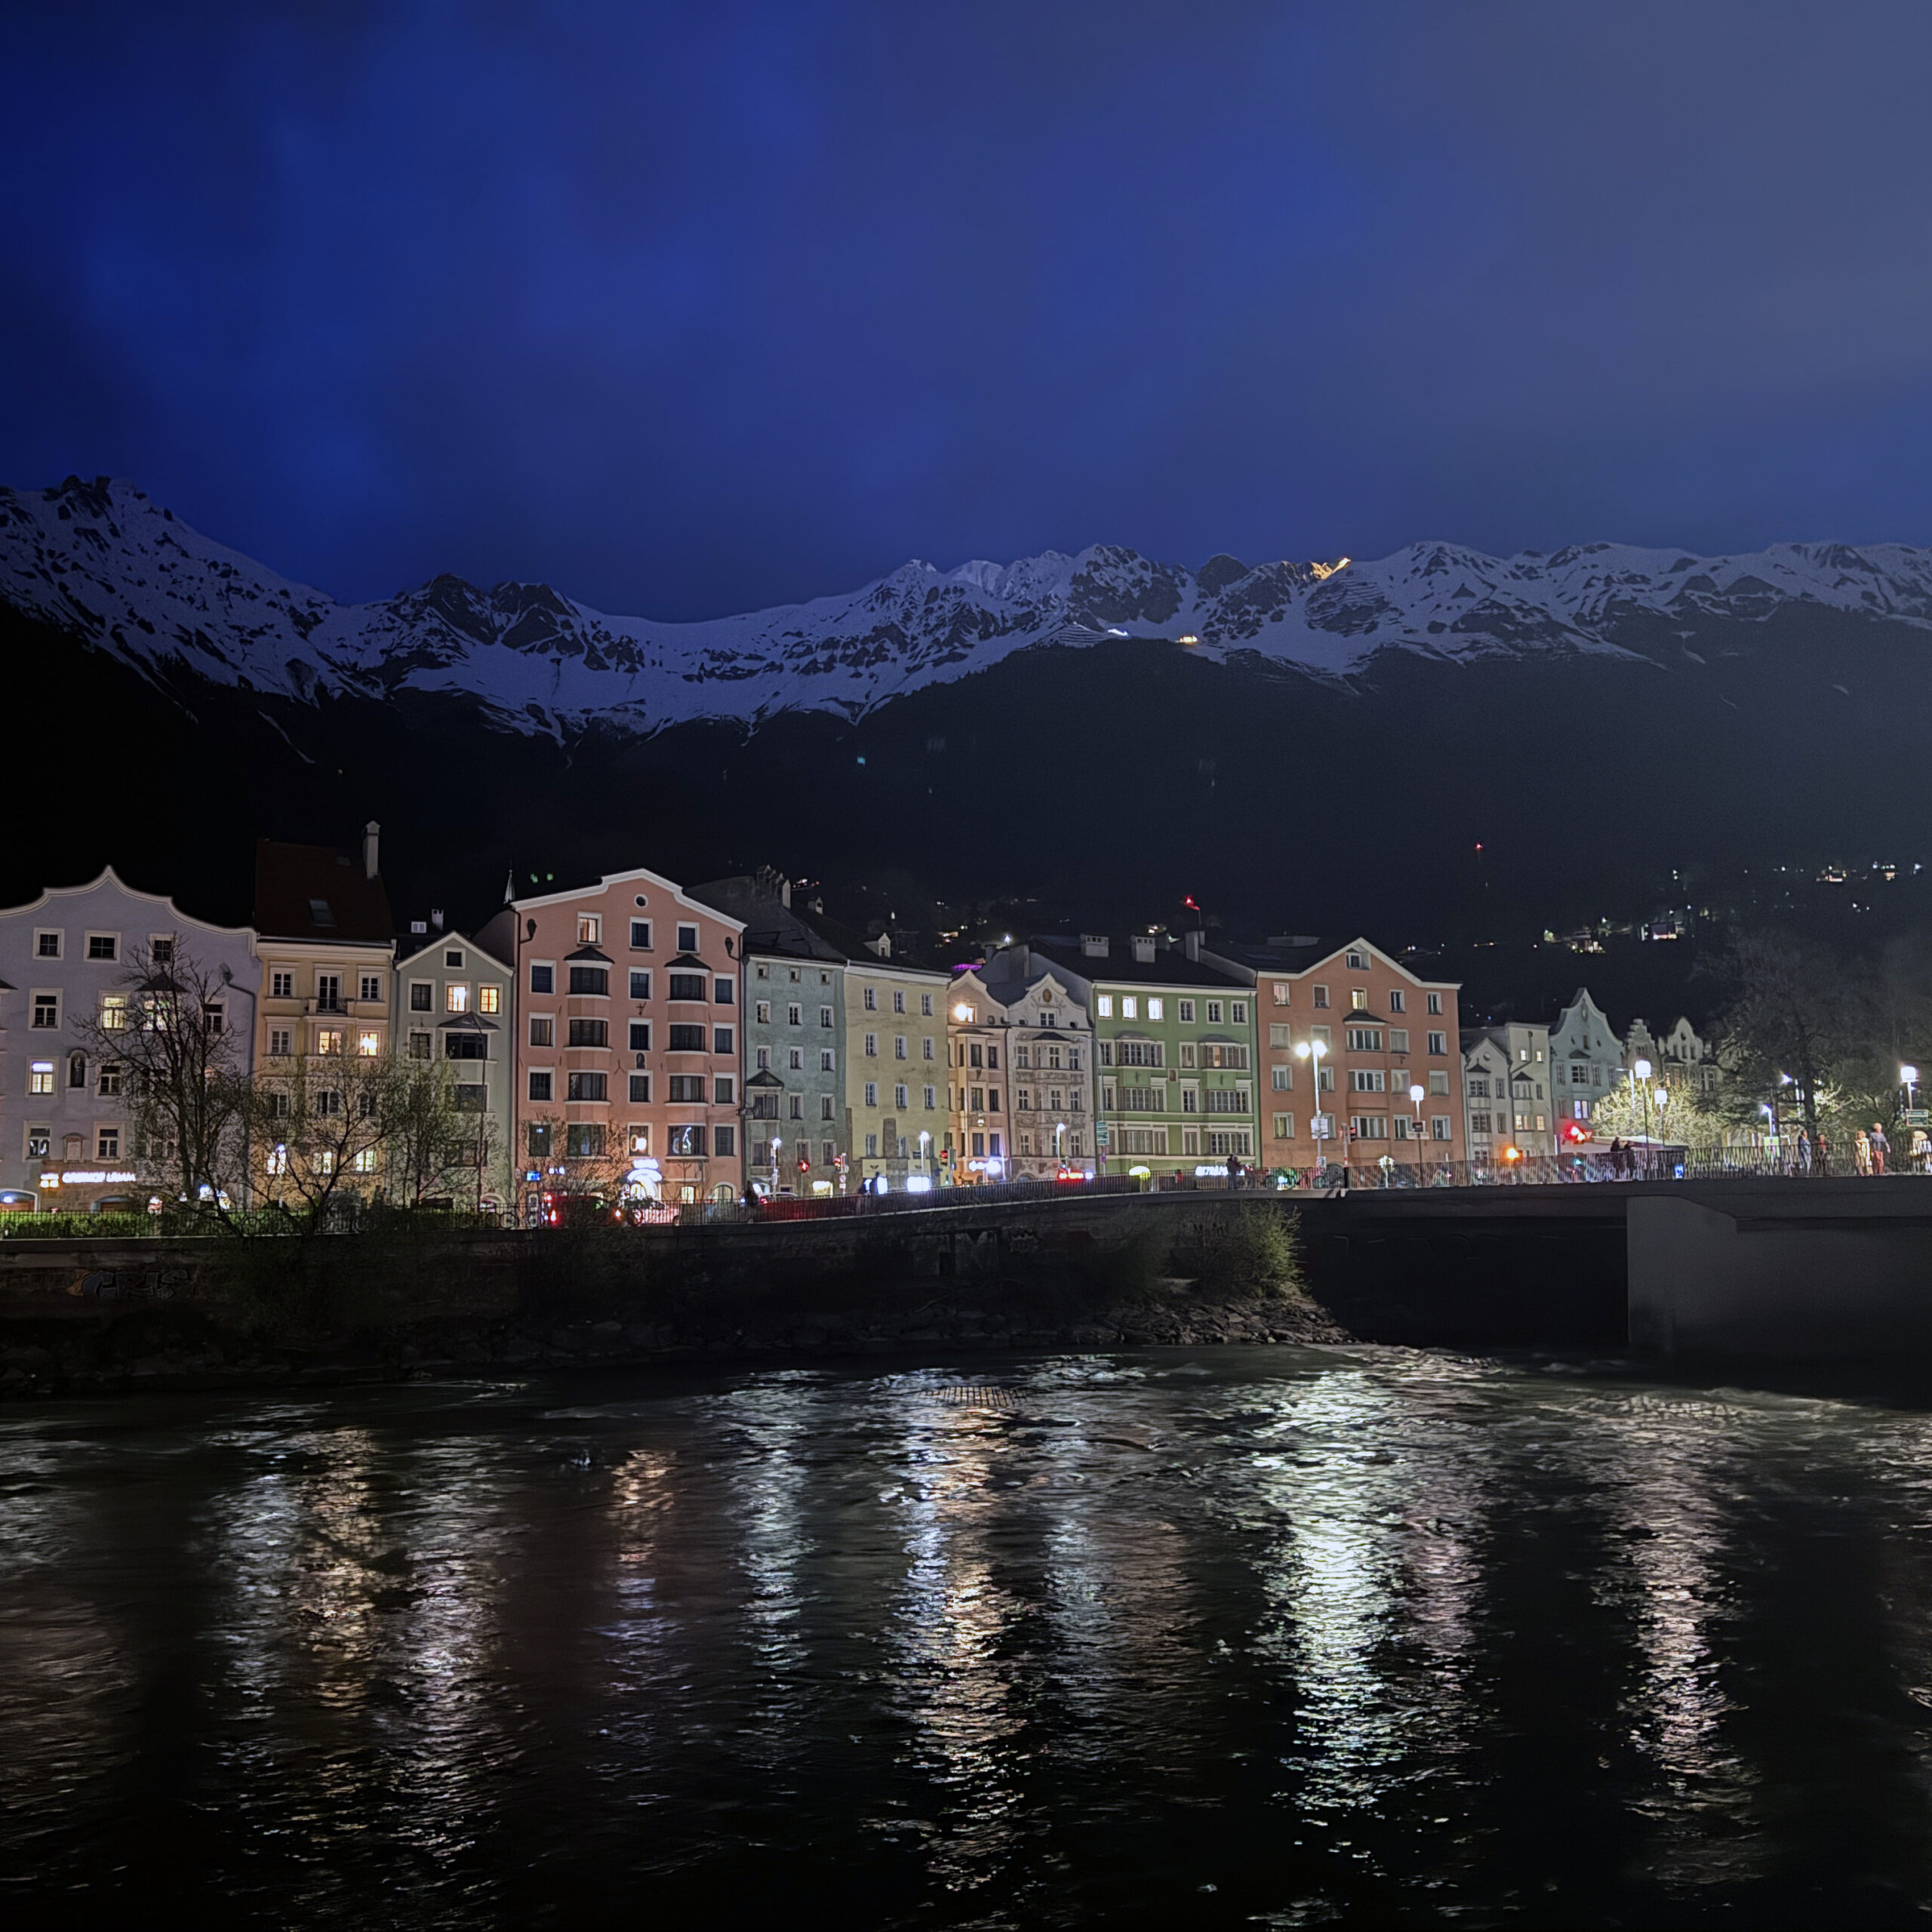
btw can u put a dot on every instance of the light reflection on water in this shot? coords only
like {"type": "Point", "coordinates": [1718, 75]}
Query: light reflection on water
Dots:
{"type": "Point", "coordinates": [1274, 1636]}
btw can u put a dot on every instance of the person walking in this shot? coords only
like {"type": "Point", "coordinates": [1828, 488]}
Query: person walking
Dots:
{"type": "Point", "coordinates": [1804, 1151]}
{"type": "Point", "coordinates": [1880, 1147]}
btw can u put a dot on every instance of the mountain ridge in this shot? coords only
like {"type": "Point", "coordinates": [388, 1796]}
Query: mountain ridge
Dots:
{"type": "Point", "coordinates": [100, 560]}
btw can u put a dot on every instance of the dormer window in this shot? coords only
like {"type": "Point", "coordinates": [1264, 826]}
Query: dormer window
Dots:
{"type": "Point", "coordinates": [589, 929]}
{"type": "Point", "coordinates": [321, 913]}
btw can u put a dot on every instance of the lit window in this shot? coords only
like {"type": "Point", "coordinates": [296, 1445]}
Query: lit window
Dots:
{"type": "Point", "coordinates": [40, 1077]}
{"type": "Point", "coordinates": [328, 1040]}
{"type": "Point", "coordinates": [368, 1045]}
{"type": "Point", "coordinates": [1156, 1009]}
{"type": "Point", "coordinates": [589, 928]}
{"type": "Point", "coordinates": [456, 998]}
{"type": "Point", "coordinates": [487, 997]}
{"type": "Point", "coordinates": [1130, 1007]}
{"type": "Point", "coordinates": [1103, 1005]}
{"type": "Point", "coordinates": [113, 1012]}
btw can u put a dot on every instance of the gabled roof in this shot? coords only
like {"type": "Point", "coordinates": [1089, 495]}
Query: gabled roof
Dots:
{"type": "Point", "coordinates": [682, 959]}
{"type": "Point", "coordinates": [587, 952]}
{"type": "Point", "coordinates": [636, 874]}
{"type": "Point", "coordinates": [405, 961]}
{"type": "Point", "coordinates": [318, 895]}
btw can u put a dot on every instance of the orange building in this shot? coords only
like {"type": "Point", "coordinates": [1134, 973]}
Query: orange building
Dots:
{"type": "Point", "coordinates": [1373, 1033]}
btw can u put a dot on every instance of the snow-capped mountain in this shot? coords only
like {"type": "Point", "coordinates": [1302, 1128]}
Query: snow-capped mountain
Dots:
{"type": "Point", "coordinates": [100, 560]}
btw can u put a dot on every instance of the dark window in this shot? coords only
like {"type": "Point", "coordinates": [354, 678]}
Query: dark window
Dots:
{"type": "Point", "coordinates": [583, 1141]}
{"type": "Point", "coordinates": [725, 1139]}
{"type": "Point", "coordinates": [466, 1046]}
{"type": "Point", "coordinates": [765, 1106]}
{"type": "Point", "coordinates": [640, 935]}
{"type": "Point", "coordinates": [590, 1032]}
{"type": "Point", "coordinates": [538, 1137]}
{"type": "Point", "coordinates": [588, 1086]}
{"type": "Point", "coordinates": [724, 1091]}
{"type": "Point", "coordinates": [687, 1140]}
{"type": "Point", "coordinates": [76, 1069]}
{"type": "Point", "coordinates": [688, 1087]}
{"type": "Point", "coordinates": [590, 980]}
{"type": "Point", "coordinates": [687, 939]}
{"type": "Point", "coordinates": [686, 1039]}
{"type": "Point", "coordinates": [539, 1086]}
{"type": "Point", "coordinates": [688, 985]}
{"type": "Point", "coordinates": [724, 1040]}
{"type": "Point", "coordinates": [420, 991]}
{"type": "Point", "coordinates": [469, 1100]}
{"type": "Point", "coordinates": [640, 986]}
{"type": "Point", "coordinates": [542, 979]}
{"type": "Point", "coordinates": [640, 1036]}
{"type": "Point", "coordinates": [721, 992]}
{"type": "Point", "coordinates": [100, 946]}
{"type": "Point", "coordinates": [641, 1089]}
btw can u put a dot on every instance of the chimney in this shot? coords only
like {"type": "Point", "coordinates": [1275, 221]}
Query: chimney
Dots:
{"type": "Point", "coordinates": [436, 917]}
{"type": "Point", "coordinates": [785, 893]}
{"type": "Point", "coordinates": [1093, 945]}
{"type": "Point", "coordinates": [1194, 943]}
{"type": "Point", "coordinates": [1143, 948]}
{"type": "Point", "coordinates": [372, 835]}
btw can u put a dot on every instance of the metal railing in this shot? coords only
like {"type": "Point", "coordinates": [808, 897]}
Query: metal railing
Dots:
{"type": "Point", "coordinates": [1576, 1168]}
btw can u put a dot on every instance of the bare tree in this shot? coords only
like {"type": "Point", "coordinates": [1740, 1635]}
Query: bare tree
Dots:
{"type": "Point", "coordinates": [184, 1085]}
{"type": "Point", "coordinates": [329, 1129]}
{"type": "Point", "coordinates": [1793, 1020]}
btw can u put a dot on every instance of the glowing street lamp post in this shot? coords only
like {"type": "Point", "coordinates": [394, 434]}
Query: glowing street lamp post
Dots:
{"type": "Point", "coordinates": [1640, 1076]}
{"type": "Point", "coordinates": [1311, 1051]}
{"type": "Point", "coordinates": [1415, 1101]}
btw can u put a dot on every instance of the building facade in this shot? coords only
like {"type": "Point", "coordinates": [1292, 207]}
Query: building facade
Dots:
{"type": "Point", "coordinates": [454, 1007]}
{"type": "Point", "coordinates": [795, 1112]}
{"type": "Point", "coordinates": [325, 954]}
{"type": "Point", "coordinates": [628, 1000]}
{"type": "Point", "coordinates": [896, 1068]}
{"type": "Point", "coordinates": [72, 963]}
{"type": "Point", "coordinates": [1174, 1049]}
{"type": "Point", "coordinates": [1025, 1038]}
{"type": "Point", "coordinates": [1586, 1064]}
{"type": "Point", "coordinates": [1345, 1035]}
{"type": "Point", "coordinates": [1510, 1115]}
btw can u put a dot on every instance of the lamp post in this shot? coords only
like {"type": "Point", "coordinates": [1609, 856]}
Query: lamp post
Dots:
{"type": "Point", "coordinates": [925, 1160]}
{"type": "Point", "coordinates": [777, 1143]}
{"type": "Point", "coordinates": [1311, 1051]}
{"type": "Point", "coordinates": [1640, 1075]}
{"type": "Point", "coordinates": [1415, 1101]}
{"type": "Point", "coordinates": [1908, 1080]}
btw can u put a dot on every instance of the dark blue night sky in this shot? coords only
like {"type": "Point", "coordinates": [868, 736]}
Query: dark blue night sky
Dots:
{"type": "Point", "coordinates": [690, 309]}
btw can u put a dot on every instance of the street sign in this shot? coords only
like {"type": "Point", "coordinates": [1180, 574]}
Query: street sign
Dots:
{"type": "Point", "coordinates": [1918, 1116]}
{"type": "Point", "coordinates": [1101, 1134]}
{"type": "Point", "coordinates": [1324, 1127]}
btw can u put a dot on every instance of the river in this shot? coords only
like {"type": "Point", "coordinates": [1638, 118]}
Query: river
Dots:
{"type": "Point", "coordinates": [1267, 1637]}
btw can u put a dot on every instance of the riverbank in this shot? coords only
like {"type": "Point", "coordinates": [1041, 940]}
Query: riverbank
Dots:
{"type": "Point", "coordinates": [175, 1348]}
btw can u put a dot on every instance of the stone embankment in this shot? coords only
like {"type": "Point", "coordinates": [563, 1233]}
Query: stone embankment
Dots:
{"type": "Point", "coordinates": [86, 1321]}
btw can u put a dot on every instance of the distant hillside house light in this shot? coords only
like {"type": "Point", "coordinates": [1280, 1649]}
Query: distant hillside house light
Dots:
{"type": "Point", "coordinates": [1189, 637]}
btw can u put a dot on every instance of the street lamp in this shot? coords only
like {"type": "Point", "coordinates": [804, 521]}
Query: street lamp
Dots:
{"type": "Point", "coordinates": [777, 1143]}
{"type": "Point", "coordinates": [1641, 1071]}
{"type": "Point", "coordinates": [1415, 1101]}
{"type": "Point", "coordinates": [1908, 1080]}
{"type": "Point", "coordinates": [924, 1160]}
{"type": "Point", "coordinates": [1311, 1051]}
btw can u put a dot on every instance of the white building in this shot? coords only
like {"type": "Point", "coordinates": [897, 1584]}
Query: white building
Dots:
{"type": "Point", "coordinates": [1587, 1063]}
{"type": "Point", "coordinates": [72, 964]}
{"type": "Point", "coordinates": [1506, 1093]}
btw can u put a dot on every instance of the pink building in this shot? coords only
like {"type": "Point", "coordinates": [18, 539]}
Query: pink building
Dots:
{"type": "Point", "coordinates": [628, 1040]}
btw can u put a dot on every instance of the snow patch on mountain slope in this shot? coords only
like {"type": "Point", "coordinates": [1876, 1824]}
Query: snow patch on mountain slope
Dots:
{"type": "Point", "coordinates": [100, 560]}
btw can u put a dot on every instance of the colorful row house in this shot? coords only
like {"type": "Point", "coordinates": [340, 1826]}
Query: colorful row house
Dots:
{"type": "Point", "coordinates": [1021, 1082]}
{"type": "Point", "coordinates": [73, 963]}
{"type": "Point", "coordinates": [629, 999]}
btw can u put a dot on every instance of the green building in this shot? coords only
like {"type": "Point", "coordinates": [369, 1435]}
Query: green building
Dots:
{"type": "Point", "coordinates": [1174, 1049]}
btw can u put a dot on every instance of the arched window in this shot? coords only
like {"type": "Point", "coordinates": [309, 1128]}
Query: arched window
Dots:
{"type": "Point", "coordinates": [77, 1070]}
